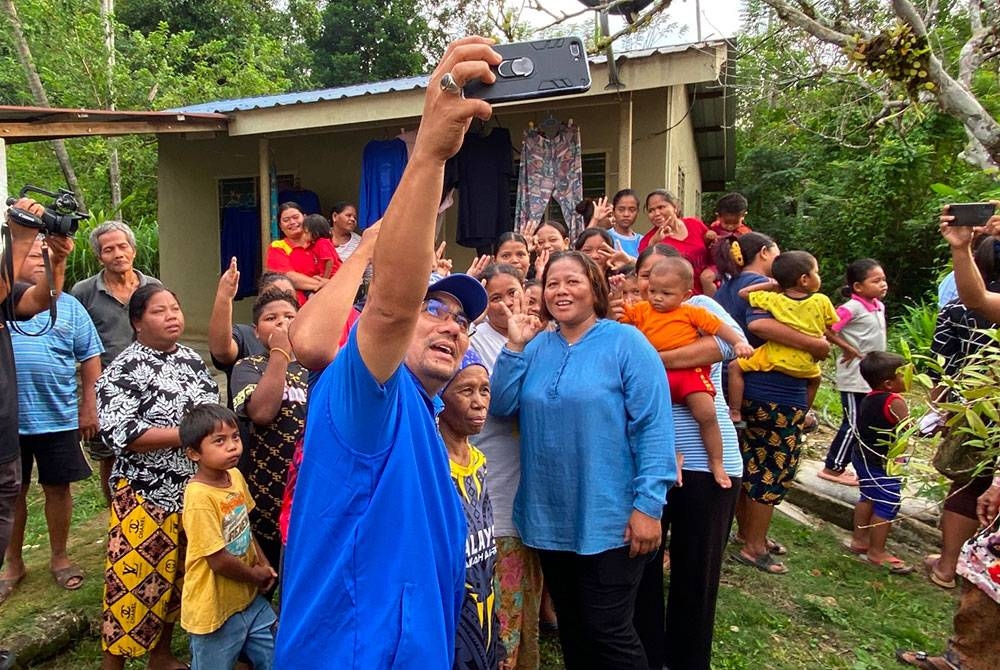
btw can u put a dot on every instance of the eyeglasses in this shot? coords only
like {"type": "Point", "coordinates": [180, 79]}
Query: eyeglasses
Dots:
{"type": "Point", "coordinates": [440, 311]}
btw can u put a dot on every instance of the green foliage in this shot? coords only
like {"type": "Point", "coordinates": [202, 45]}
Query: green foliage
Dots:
{"type": "Point", "coordinates": [913, 331]}
{"type": "Point", "coordinates": [370, 40]}
{"type": "Point", "coordinates": [826, 168]}
{"type": "Point", "coordinates": [971, 400]}
{"type": "Point", "coordinates": [82, 262]}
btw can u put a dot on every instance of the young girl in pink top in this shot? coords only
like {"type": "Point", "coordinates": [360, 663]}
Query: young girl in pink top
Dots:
{"type": "Point", "coordinates": [862, 325]}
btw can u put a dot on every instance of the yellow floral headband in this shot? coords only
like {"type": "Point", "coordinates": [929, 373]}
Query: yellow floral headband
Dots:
{"type": "Point", "coordinates": [736, 253]}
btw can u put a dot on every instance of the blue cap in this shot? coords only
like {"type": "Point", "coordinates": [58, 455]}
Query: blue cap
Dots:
{"type": "Point", "coordinates": [466, 290]}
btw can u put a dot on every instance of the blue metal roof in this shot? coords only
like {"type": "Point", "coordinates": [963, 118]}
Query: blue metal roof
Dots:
{"type": "Point", "coordinates": [375, 88]}
{"type": "Point", "coordinates": [338, 93]}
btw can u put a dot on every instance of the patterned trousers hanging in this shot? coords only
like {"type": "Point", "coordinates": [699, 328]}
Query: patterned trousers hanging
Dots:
{"type": "Point", "coordinates": [551, 168]}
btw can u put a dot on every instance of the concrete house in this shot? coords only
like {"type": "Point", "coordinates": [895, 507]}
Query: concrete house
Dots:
{"type": "Point", "coordinates": [669, 125]}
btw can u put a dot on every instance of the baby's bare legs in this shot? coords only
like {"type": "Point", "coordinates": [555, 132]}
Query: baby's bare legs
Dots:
{"type": "Point", "coordinates": [812, 386]}
{"type": "Point", "coordinates": [702, 406]}
{"type": "Point", "coordinates": [735, 392]}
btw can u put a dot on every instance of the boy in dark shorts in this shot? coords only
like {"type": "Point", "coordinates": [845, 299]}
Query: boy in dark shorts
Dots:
{"type": "Point", "coordinates": [880, 411]}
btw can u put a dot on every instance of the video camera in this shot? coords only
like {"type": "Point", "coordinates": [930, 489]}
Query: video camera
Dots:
{"type": "Point", "coordinates": [62, 217]}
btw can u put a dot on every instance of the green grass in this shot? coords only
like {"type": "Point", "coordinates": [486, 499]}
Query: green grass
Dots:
{"type": "Point", "coordinates": [830, 611]}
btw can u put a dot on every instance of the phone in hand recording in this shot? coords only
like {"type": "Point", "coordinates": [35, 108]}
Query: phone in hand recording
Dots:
{"type": "Point", "coordinates": [971, 213]}
{"type": "Point", "coordinates": [537, 69]}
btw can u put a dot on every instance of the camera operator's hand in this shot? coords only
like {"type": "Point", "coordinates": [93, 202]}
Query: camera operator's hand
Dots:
{"type": "Point", "coordinates": [59, 247]}
{"type": "Point", "coordinates": [19, 232]}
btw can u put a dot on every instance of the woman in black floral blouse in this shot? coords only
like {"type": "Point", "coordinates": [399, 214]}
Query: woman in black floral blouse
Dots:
{"type": "Point", "coordinates": [141, 397]}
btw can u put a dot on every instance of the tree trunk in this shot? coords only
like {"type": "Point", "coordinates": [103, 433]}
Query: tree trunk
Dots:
{"type": "Point", "coordinates": [38, 93]}
{"type": "Point", "coordinates": [114, 171]}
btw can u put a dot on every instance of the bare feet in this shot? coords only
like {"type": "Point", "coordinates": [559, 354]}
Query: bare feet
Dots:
{"type": "Point", "coordinates": [843, 477]}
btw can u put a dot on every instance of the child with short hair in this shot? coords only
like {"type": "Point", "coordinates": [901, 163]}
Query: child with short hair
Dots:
{"type": "Point", "coordinates": [799, 305]}
{"type": "Point", "coordinates": [318, 233]}
{"type": "Point", "coordinates": [729, 225]}
{"type": "Point", "coordinates": [880, 412]}
{"type": "Point", "coordinates": [668, 323]}
{"type": "Point", "coordinates": [225, 570]}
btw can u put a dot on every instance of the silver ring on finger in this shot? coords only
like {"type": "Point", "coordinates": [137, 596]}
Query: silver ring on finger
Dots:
{"type": "Point", "coordinates": [449, 85]}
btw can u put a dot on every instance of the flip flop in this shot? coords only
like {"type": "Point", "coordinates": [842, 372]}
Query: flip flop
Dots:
{"type": "Point", "coordinates": [895, 565]}
{"type": "Point", "coordinates": [7, 586]}
{"type": "Point", "coordinates": [930, 566]}
{"type": "Point", "coordinates": [765, 563]}
{"type": "Point", "coordinates": [846, 544]}
{"type": "Point", "coordinates": [920, 659]}
{"type": "Point", "coordinates": [774, 547]}
{"type": "Point", "coordinates": [65, 577]}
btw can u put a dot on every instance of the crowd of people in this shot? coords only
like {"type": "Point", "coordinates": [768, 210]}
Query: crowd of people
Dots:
{"type": "Point", "coordinates": [408, 461]}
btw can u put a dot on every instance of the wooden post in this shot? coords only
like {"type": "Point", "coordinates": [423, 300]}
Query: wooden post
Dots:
{"type": "Point", "coordinates": [625, 142]}
{"type": "Point", "coordinates": [264, 177]}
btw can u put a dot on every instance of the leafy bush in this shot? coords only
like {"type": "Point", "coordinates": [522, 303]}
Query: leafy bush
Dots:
{"type": "Point", "coordinates": [912, 333]}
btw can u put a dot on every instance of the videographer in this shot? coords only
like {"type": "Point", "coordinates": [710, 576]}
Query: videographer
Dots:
{"type": "Point", "coordinates": [18, 302]}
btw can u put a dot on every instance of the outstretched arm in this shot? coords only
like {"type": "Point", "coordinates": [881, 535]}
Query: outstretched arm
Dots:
{"type": "Point", "coordinates": [405, 249]}
{"type": "Point", "coordinates": [318, 325]}
{"type": "Point", "coordinates": [220, 325]}
{"type": "Point", "coordinates": [971, 288]}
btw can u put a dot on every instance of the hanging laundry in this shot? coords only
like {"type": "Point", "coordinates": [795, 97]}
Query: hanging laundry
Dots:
{"type": "Point", "coordinates": [381, 169]}
{"type": "Point", "coordinates": [307, 201]}
{"type": "Point", "coordinates": [551, 168]}
{"type": "Point", "coordinates": [483, 168]}
{"type": "Point", "coordinates": [240, 237]}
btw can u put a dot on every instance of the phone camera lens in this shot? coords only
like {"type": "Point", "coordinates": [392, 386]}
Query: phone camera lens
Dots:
{"type": "Point", "coordinates": [574, 49]}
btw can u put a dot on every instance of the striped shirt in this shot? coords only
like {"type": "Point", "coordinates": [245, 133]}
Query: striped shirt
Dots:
{"type": "Point", "coordinates": [46, 366]}
{"type": "Point", "coordinates": [955, 336]}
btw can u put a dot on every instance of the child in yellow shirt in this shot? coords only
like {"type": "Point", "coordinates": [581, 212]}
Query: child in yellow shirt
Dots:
{"type": "Point", "coordinates": [797, 305]}
{"type": "Point", "coordinates": [225, 570]}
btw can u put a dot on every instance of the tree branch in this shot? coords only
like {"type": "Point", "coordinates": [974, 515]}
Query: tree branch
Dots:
{"type": "Point", "coordinates": [817, 25]}
{"type": "Point", "coordinates": [908, 13]}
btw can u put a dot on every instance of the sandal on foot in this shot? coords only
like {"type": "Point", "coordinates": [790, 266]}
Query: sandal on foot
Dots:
{"type": "Point", "coordinates": [765, 563]}
{"type": "Point", "coordinates": [920, 659]}
{"type": "Point", "coordinates": [846, 544]}
{"type": "Point", "coordinates": [930, 567]}
{"type": "Point", "coordinates": [7, 586]}
{"type": "Point", "coordinates": [895, 565]}
{"type": "Point", "coordinates": [69, 578]}
{"type": "Point", "coordinates": [774, 547]}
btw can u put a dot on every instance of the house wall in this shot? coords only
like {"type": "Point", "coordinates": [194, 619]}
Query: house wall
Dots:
{"type": "Point", "coordinates": [329, 164]}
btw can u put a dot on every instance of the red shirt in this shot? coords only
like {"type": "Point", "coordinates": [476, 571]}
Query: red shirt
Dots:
{"type": "Point", "coordinates": [692, 247]}
{"type": "Point", "coordinates": [283, 257]}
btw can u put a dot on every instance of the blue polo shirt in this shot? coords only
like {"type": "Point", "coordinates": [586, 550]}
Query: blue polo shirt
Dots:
{"type": "Point", "coordinates": [46, 366]}
{"type": "Point", "coordinates": [374, 571]}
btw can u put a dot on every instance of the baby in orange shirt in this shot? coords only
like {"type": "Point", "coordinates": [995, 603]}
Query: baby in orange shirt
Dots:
{"type": "Point", "coordinates": [668, 323]}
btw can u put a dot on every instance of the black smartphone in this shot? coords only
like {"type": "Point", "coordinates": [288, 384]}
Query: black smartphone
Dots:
{"type": "Point", "coordinates": [538, 69]}
{"type": "Point", "coordinates": [971, 213]}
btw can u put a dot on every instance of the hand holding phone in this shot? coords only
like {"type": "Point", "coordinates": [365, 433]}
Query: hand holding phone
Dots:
{"type": "Point", "coordinates": [538, 69]}
{"type": "Point", "coordinates": [970, 213]}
